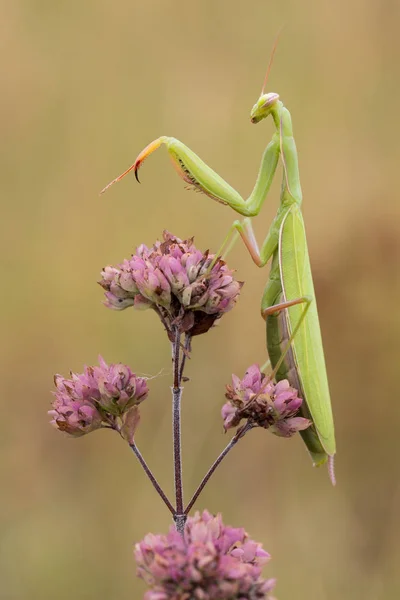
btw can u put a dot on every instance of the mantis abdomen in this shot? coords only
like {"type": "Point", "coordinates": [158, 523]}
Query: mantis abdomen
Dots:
{"type": "Point", "coordinates": [303, 365]}
{"type": "Point", "coordinates": [277, 339]}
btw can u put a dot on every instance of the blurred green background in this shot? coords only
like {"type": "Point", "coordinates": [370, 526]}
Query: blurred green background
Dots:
{"type": "Point", "coordinates": [86, 85]}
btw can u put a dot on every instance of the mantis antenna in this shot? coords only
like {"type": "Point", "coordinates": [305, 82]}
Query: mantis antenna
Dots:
{"type": "Point", "coordinates": [274, 47]}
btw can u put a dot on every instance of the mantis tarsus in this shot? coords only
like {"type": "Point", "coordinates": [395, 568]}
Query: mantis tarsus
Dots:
{"type": "Point", "coordinates": [288, 301]}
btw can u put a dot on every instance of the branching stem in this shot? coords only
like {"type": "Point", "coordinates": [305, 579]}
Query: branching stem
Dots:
{"type": "Point", "coordinates": [150, 475]}
{"type": "Point", "coordinates": [217, 462]}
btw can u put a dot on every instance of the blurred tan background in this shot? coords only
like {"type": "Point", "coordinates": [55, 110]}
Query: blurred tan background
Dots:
{"type": "Point", "coordinates": [86, 85]}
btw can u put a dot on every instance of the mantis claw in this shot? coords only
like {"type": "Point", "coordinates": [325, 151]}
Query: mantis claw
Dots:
{"type": "Point", "coordinates": [138, 162]}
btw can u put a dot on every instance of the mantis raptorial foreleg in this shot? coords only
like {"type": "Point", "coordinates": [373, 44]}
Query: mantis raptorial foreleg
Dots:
{"type": "Point", "coordinates": [196, 173]}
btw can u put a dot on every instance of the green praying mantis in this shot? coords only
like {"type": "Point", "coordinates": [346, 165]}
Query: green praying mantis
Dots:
{"type": "Point", "coordinates": [288, 303]}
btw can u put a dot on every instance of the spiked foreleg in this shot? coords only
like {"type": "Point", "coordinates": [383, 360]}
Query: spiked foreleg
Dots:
{"type": "Point", "coordinates": [196, 173]}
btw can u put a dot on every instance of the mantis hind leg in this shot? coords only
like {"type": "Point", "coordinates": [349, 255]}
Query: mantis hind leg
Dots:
{"type": "Point", "coordinates": [277, 308]}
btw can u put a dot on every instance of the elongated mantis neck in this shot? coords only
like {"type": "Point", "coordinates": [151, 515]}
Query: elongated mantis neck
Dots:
{"type": "Point", "coordinates": [282, 119]}
{"type": "Point", "coordinates": [291, 188]}
{"type": "Point", "coordinates": [276, 113]}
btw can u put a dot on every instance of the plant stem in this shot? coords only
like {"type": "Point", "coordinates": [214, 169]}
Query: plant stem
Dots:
{"type": "Point", "coordinates": [217, 462]}
{"type": "Point", "coordinates": [180, 521]}
{"type": "Point", "coordinates": [176, 410]}
{"type": "Point", "coordinates": [185, 353]}
{"type": "Point", "coordinates": [179, 516]}
{"type": "Point", "coordinates": [152, 478]}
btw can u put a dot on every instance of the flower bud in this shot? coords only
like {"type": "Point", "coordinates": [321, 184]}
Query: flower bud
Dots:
{"type": "Point", "coordinates": [96, 397]}
{"type": "Point", "coordinates": [178, 281]}
{"type": "Point", "coordinates": [211, 561]}
{"type": "Point", "coordinates": [119, 388]}
{"type": "Point", "coordinates": [263, 403]}
{"type": "Point", "coordinates": [73, 411]}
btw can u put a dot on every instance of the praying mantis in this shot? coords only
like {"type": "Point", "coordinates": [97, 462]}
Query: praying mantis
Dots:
{"type": "Point", "coordinates": [288, 304]}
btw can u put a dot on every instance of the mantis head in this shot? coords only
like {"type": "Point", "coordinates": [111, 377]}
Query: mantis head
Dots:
{"type": "Point", "coordinates": [263, 107]}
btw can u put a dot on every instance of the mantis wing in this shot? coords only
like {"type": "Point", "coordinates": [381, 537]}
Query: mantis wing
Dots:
{"type": "Point", "coordinates": [308, 352]}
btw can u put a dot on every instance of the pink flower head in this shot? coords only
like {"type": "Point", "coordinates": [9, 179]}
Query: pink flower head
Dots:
{"type": "Point", "coordinates": [178, 281]}
{"type": "Point", "coordinates": [212, 561]}
{"type": "Point", "coordinates": [94, 398]}
{"type": "Point", "coordinates": [73, 415]}
{"type": "Point", "coordinates": [262, 402]}
{"type": "Point", "coordinates": [118, 387]}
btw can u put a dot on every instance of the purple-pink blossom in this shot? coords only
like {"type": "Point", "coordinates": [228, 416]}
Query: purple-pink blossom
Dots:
{"type": "Point", "coordinates": [119, 388]}
{"type": "Point", "coordinates": [92, 399]}
{"type": "Point", "coordinates": [262, 402]}
{"type": "Point", "coordinates": [185, 286]}
{"type": "Point", "coordinates": [210, 562]}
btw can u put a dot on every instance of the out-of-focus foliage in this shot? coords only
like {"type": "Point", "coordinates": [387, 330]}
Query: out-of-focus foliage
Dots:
{"type": "Point", "coordinates": [85, 86]}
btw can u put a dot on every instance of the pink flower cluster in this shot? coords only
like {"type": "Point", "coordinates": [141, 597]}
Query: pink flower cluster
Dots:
{"type": "Point", "coordinates": [93, 399]}
{"type": "Point", "coordinates": [210, 562]}
{"type": "Point", "coordinates": [181, 283]}
{"type": "Point", "coordinates": [263, 403]}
